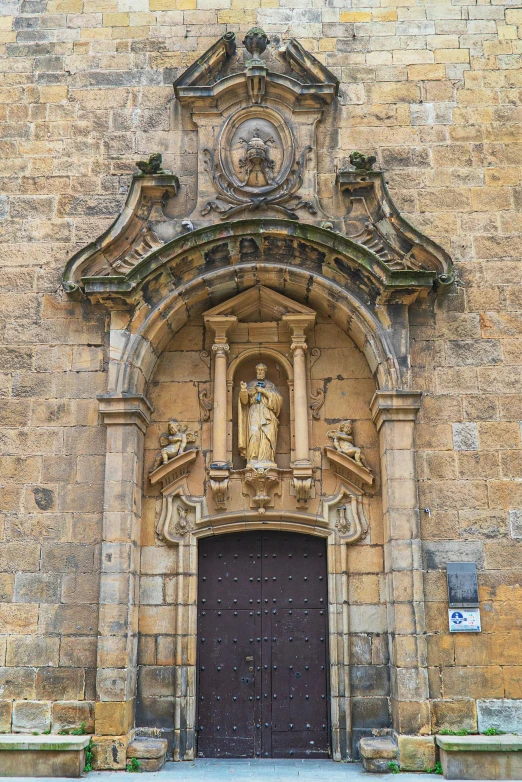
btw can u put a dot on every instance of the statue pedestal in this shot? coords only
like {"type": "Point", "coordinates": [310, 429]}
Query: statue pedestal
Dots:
{"type": "Point", "coordinates": [348, 468]}
{"type": "Point", "coordinates": [262, 478]}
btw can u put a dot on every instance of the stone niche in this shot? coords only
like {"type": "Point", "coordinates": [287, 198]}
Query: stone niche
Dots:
{"type": "Point", "coordinates": [308, 477]}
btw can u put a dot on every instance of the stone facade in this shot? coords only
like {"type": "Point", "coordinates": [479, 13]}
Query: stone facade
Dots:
{"type": "Point", "coordinates": [90, 598]}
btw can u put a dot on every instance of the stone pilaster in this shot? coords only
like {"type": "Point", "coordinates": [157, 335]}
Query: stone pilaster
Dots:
{"type": "Point", "coordinates": [126, 418]}
{"type": "Point", "coordinates": [394, 414]}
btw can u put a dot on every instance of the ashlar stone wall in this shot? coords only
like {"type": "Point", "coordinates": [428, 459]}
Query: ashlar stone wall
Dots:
{"type": "Point", "coordinates": [433, 89]}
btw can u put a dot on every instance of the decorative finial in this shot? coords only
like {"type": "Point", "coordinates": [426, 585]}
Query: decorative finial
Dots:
{"type": "Point", "coordinates": [256, 41]}
{"type": "Point", "coordinates": [362, 162]}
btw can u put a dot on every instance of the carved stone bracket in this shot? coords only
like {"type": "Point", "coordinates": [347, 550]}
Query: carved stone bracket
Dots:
{"type": "Point", "coordinates": [374, 221]}
{"type": "Point", "coordinates": [219, 482]}
{"type": "Point", "coordinates": [263, 480]}
{"type": "Point", "coordinates": [205, 357]}
{"type": "Point", "coordinates": [348, 469]}
{"type": "Point", "coordinates": [174, 469]}
{"type": "Point", "coordinates": [315, 353]}
{"type": "Point", "coordinates": [303, 485]}
{"type": "Point", "coordinates": [131, 236]}
{"type": "Point", "coordinates": [179, 511]}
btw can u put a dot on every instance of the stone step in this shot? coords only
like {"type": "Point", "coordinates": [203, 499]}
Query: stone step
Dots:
{"type": "Point", "coordinates": [151, 753]}
{"type": "Point", "coordinates": [377, 752]}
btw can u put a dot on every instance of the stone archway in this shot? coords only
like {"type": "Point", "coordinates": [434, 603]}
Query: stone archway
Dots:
{"type": "Point", "coordinates": [127, 415]}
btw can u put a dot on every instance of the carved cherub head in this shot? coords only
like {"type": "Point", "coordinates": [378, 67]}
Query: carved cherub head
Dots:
{"type": "Point", "coordinates": [346, 427]}
{"type": "Point", "coordinates": [261, 371]}
{"type": "Point", "coordinates": [173, 427]}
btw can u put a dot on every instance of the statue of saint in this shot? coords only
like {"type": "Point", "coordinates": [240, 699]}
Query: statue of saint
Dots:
{"type": "Point", "coordinates": [259, 407]}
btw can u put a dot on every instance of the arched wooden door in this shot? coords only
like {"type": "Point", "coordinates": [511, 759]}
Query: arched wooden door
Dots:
{"type": "Point", "coordinates": [263, 646]}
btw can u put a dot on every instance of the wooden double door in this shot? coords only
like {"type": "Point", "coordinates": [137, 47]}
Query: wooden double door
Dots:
{"type": "Point", "coordinates": [263, 646]}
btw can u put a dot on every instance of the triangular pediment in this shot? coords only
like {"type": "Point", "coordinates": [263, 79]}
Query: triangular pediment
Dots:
{"type": "Point", "coordinates": [259, 305]}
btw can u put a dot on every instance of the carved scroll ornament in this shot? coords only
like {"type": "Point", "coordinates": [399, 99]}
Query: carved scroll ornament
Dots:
{"type": "Point", "coordinates": [317, 403]}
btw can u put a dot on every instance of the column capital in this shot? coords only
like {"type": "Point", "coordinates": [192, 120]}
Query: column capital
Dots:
{"type": "Point", "coordinates": [125, 410]}
{"type": "Point", "coordinates": [220, 348]}
{"type": "Point", "coordinates": [298, 324]}
{"type": "Point", "coordinates": [395, 406]}
{"type": "Point", "coordinates": [220, 324]}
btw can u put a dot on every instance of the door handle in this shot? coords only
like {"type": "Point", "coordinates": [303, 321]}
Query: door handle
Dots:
{"type": "Point", "coordinates": [249, 659]}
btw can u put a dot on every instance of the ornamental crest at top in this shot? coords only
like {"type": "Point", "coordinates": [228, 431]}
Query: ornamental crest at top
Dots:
{"type": "Point", "coordinates": [256, 126]}
{"type": "Point", "coordinates": [255, 111]}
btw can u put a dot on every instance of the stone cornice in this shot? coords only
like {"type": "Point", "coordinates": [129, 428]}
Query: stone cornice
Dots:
{"type": "Point", "coordinates": [335, 256]}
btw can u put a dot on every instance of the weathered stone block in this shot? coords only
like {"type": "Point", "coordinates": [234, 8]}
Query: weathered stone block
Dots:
{"type": "Point", "coordinates": [147, 749]}
{"type": "Point", "coordinates": [437, 554]}
{"type": "Point", "coordinates": [502, 714]}
{"type": "Point", "coordinates": [110, 752]}
{"type": "Point", "coordinates": [453, 715]}
{"type": "Point", "coordinates": [465, 437]}
{"type": "Point", "coordinates": [6, 708]}
{"type": "Point", "coordinates": [369, 680]}
{"type": "Point", "coordinates": [37, 588]}
{"type": "Point", "coordinates": [60, 683]}
{"type": "Point", "coordinates": [71, 714]}
{"type": "Point", "coordinates": [416, 753]}
{"type": "Point", "coordinates": [17, 682]}
{"type": "Point", "coordinates": [112, 719]}
{"type": "Point", "coordinates": [32, 650]}
{"type": "Point", "coordinates": [156, 681]}
{"type": "Point", "coordinates": [31, 716]}
{"type": "Point", "coordinates": [368, 713]}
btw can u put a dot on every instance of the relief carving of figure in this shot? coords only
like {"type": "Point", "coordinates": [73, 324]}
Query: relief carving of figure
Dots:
{"type": "Point", "coordinates": [174, 441]}
{"type": "Point", "coordinates": [258, 422]}
{"type": "Point", "coordinates": [342, 441]}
